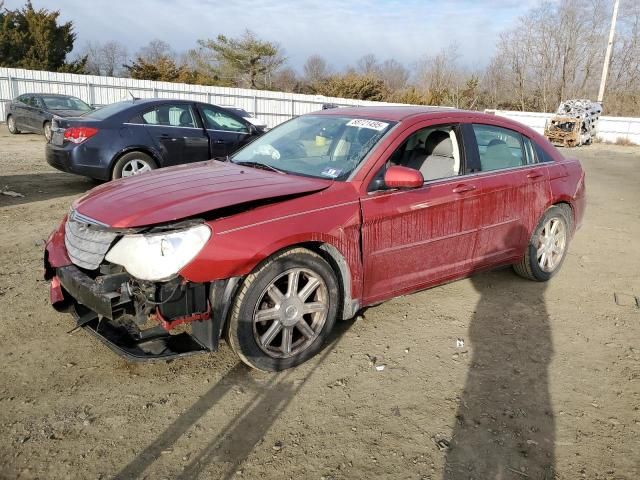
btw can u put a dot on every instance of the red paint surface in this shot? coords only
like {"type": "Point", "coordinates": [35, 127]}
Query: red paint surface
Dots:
{"type": "Point", "coordinates": [393, 242]}
{"type": "Point", "coordinates": [55, 252]}
{"type": "Point", "coordinates": [55, 291]}
{"type": "Point", "coordinates": [170, 194]}
{"type": "Point", "coordinates": [403, 177]}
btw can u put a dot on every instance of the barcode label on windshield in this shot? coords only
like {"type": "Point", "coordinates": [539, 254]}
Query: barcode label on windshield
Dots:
{"type": "Point", "coordinates": [364, 123]}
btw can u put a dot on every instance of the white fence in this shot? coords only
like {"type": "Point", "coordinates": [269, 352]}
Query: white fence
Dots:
{"type": "Point", "coordinates": [273, 107]}
{"type": "Point", "coordinates": [610, 129]}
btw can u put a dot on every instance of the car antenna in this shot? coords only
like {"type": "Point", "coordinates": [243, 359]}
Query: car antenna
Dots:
{"type": "Point", "coordinates": [131, 94]}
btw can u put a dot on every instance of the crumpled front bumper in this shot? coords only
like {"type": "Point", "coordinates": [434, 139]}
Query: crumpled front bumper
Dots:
{"type": "Point", "coordinates": [95, 302]}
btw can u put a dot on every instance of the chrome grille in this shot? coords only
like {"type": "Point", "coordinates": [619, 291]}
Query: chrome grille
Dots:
{"type": "Point", "coordinates": [86, 243]}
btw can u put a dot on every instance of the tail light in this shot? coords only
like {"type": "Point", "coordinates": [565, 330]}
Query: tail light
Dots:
{"type": "Point", "coordinates": [79, 134]}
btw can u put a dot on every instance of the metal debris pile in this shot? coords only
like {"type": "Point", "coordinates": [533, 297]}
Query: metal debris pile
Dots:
{"type": "Point", "coordinates": [574, 124]}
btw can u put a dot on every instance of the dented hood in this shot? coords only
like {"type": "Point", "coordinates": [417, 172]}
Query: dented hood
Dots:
{"type": "Point", "coordinates": [171, 194]}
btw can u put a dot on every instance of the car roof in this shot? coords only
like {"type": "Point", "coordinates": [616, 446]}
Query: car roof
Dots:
{"type": "Point", "coordinates": [398, 113]}
{"type": "Point", "coordinates": [48, 95]}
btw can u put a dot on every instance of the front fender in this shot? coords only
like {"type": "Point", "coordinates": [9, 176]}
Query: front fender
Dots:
{"type": "Point", "coordinates": [234, 252]}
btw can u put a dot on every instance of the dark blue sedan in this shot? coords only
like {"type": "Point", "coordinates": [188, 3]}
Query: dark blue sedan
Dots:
{"type": "Point", "coordinates": [135, 136]}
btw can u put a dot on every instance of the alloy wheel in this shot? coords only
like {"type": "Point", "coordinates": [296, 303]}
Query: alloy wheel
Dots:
{"type": "Point", "coordinates": [47, 132]}
{"type": "Point", "coordinates": [290, 313]}
{"type": "Point", "coordinates": [135, 167]}
{"type": "Point", "coordinates": [11, 124]}
{"type": "Point", "coordinates": [552, 242]}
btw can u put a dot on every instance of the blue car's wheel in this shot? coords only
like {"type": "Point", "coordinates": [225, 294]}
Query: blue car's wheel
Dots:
{"type": "Point", "coordinates": [133, 163]}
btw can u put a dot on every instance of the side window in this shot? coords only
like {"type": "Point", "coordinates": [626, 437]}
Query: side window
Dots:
{"type": "Point", "coordinates": [499, 147]}
{"type": "Point", "coordinates": [169, 116]}
{"type": "Point", "coordinates": [217, 120]}
{"type": "Point", "coordinates": [542, 155]}
{"type": "Point", "coordinates": [433, 150]}
{"type": "Point", "coordinates": [24, 99]}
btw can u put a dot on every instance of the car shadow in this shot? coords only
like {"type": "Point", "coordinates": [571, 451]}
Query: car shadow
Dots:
{"type": "Point", "coordinates": [235, 441]}
{"type": "Point", "coordinates": [504, 423]}
{"type": "Point", "coordinates": [36, 187]}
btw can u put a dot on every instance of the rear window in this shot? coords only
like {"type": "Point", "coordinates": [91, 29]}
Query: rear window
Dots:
{"type": "Point", "coordinates": [109, 110]}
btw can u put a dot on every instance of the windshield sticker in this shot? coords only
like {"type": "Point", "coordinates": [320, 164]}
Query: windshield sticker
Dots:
{"type": "Point", "coordinates": [364, 123]}
{"type": "Point", "coordinates": [331, 172]}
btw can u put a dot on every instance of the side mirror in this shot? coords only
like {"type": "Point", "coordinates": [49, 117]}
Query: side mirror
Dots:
{"type": "Point", "coordinates": [403, 177]}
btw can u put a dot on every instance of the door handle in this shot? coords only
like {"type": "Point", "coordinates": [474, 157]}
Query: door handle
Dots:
{"type": "Point", "coordinates": [218, 141]}
{"type": "Point", "coordinates": [534, 175]}
{"type": "Point", "coordinates": [462, 188]}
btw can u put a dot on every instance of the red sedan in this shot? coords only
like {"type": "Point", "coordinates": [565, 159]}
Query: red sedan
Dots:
{"type": "Point", "coordinates": [320, 217]}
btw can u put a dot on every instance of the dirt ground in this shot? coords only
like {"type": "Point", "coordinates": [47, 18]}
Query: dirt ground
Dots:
{"type": "Point", "coordinates": [546, 385]}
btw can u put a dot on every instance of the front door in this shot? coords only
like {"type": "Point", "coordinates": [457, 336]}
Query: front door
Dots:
{"type": "Point", "coordinates": [412, 239]}
{"type": "Point", "coordinates": [176, 133]}
{"type": "Point", "coordinates": [226, 132]}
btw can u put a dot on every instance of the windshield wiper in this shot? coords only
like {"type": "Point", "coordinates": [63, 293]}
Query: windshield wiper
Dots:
{"type": "Point", "coordinates": [263, 166]}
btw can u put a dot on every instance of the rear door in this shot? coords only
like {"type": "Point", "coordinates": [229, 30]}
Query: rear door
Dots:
{"type": "Point", "coordinates": [176, 133]}
{"type": "Point", "coordinates": [227, 132]}
{"type": "Point", "coordinates": [513, 191]}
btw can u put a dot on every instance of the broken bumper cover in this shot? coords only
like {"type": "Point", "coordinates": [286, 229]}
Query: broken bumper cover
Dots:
{"type": "Point", "coordinates": [94, 305]}
{"type": "Point", "coordinates": [98, 304]}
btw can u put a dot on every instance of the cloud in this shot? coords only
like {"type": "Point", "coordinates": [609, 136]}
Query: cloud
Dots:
{"type": "Point", "coordinates": [338, 30]}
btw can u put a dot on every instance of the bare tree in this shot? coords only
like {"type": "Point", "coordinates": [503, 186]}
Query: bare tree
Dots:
{"type": "Point", "coordinates": [155, 51]}
{"type": "Point", "coordinates": [368, 65]}
{"type": "Point", "coordinates": [105, 59]}
{"type": "Point", "coordinates": [393, 74]}
{"type": "Point", "coordinates": [316, 69]}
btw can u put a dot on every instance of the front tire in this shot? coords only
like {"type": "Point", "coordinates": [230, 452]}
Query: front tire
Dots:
{"type": "Point", "coordinates": [46, 131]}
{"type": "Point", "coordinates": [11, 125]}
{"type": "Point", "coordinates": [284, 311]}
{"type": "Point", "coordinates": [132, 163]}
{"type": "Point", "coordinates": [547, 247]}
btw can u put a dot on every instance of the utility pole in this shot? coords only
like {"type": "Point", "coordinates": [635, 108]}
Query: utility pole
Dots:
{"type": "Point", "coordinates": [607, 57]}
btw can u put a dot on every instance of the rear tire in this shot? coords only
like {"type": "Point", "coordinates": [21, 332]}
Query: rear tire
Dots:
{"type": "Point", "coordinates": [547, 247]}
{"type": "Point", "coordinates": [11, 125]}
{"type": "Point", "coordinates": [132, 163]}
{"type": "Point", "coordinates": [46, 131]}
{"type": "Point", "coordinates": [284, 311]}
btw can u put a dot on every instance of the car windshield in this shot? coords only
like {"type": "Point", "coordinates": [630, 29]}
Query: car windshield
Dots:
{"type": "Point", "coordinates": [239, 111]}
{"type": "Point", "coordinates": [65, 103]}
{"type": "Point", "coordinates": [320, 146]}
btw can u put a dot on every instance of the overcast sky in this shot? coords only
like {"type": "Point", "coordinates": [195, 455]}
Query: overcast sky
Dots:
{"type": "Point", "coordinates": [341, 31]}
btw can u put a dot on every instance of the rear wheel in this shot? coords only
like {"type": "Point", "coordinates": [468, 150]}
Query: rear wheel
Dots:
{"type": "Point", "coordinates": [46, 130]}
{"type": "Point", "coordinates": [132, 163]}
{"type": "Point", "coordinates": [548, 245]}
{"type": "Point", "coordinates": [11, 125]}
{"type": "Point", "coordinates": [284, 311]}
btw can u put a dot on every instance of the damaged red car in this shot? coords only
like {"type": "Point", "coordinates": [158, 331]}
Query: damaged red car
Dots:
{"type": "Point", "coordinates": [320, 217]}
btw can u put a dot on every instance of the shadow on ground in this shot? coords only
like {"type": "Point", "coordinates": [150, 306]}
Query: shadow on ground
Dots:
{"type": "Point", "coordinates": [42, 186]}
{"type": "Point", "coordinates": [236, 440]}
{"type": "Point", "coordinates": [504, 424]}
